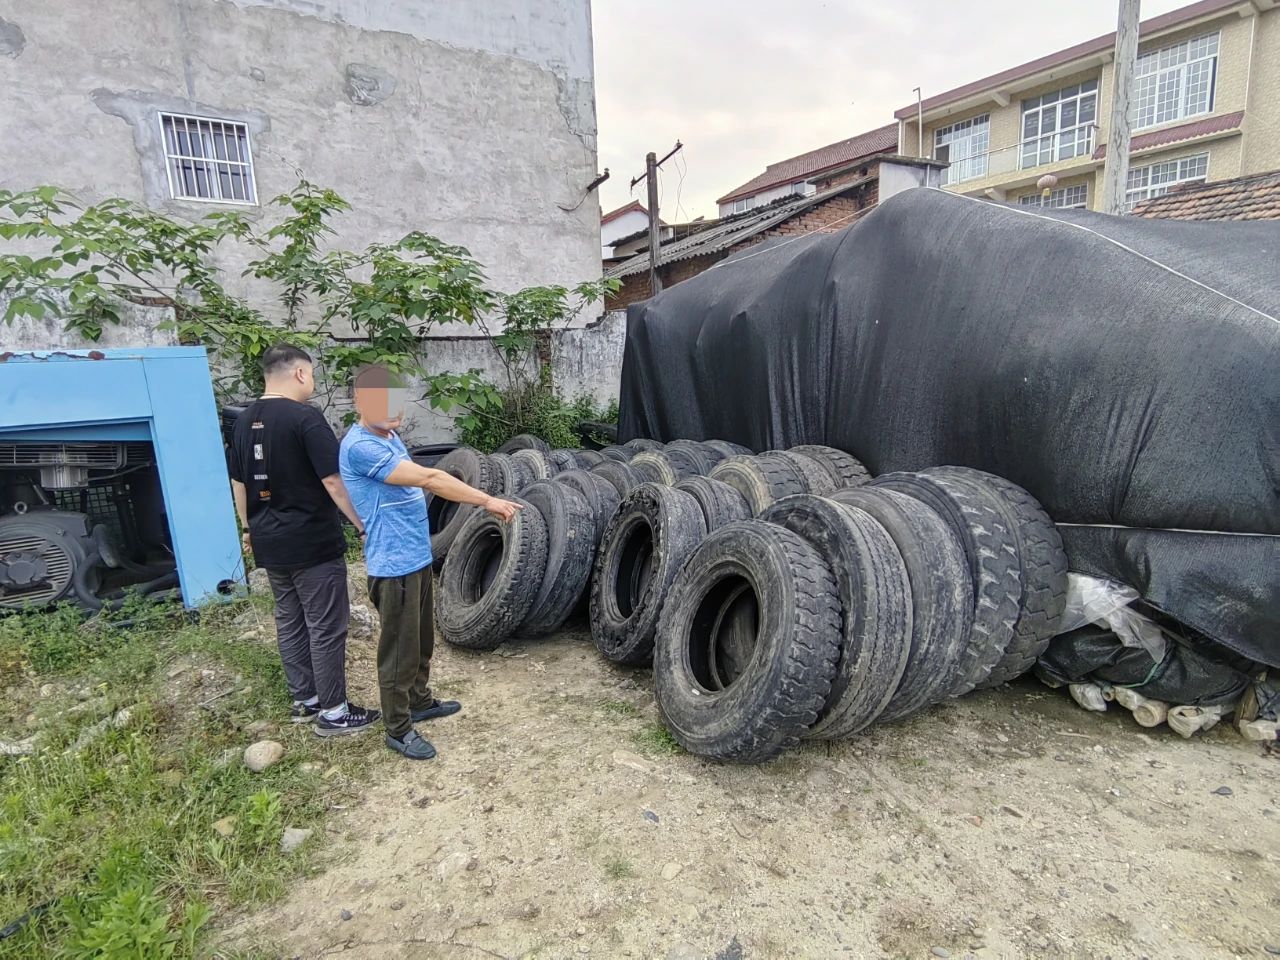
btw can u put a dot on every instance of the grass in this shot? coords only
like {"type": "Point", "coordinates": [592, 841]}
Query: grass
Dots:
{"type": "Point", "coordinates": [655, 738]}
{"type": "Point", "coordinates": [619, 708]}
{"type": "Point", "coordinates": [108, 850]}
{"type": "Point", "coordinates": [619, 868]}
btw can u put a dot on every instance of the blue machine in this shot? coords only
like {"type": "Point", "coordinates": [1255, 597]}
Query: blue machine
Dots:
{"type": "Point", "coordinates": [112, 476]}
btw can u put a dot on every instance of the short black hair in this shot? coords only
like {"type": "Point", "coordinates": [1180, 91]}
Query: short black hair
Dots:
{"type": "Point", "coordinates": [375, 376]}
{"type": "Point", "coordinates": [281, 356]}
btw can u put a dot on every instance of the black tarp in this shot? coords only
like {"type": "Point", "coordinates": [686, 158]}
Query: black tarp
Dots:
{"type": "Point", "coordinates": [1125, 371]}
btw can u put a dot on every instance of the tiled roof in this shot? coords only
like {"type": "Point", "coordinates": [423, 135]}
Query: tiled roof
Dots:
{"type": "Point", "coordinates": [634, 206]}
{"type": "Point", "coordinates": [731, 231]}
{"type": "Point", "coordinates": [1245, 198]}
{"type": "Point", "coordinates": [1185, 131]}
{"type": "Point", "coordinates": [1080, 50]}
{"type": "Point", "coordinates": [796, 169]}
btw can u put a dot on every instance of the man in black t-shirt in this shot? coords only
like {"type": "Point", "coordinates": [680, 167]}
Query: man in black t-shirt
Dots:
{"type": "Point", "coordinates": [284, 474]}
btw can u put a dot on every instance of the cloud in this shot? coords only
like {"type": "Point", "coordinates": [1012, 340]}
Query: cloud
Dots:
{"type": "Point", "coordinates": [745, 83]}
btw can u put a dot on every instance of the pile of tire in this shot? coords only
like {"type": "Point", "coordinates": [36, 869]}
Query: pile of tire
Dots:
{"type": "Point", "coordinates": [498, 580]}
{"type": "Point", "coordinates": [825, 614]}
{"type": "Point", "coordinates": [673, 497]}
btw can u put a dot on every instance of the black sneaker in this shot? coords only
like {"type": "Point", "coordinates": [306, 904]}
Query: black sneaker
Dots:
{"type": "Point", "coordinates": [412, 746]}
{"type": "Point", "coordinates": [353, 721]}
{"type": "Point", "coordinates": [304, 712]}
{"type": "Point", "coordinates": [436, 709]}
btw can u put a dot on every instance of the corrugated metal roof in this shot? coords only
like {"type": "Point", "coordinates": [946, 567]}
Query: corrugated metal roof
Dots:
{"type": "Point", "coordinates": [796, 169]}
{"type": "Point", "coordinates": [730, 231]}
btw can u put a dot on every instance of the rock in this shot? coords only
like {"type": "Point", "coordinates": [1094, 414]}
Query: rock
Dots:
{"type": "Point", "coordinates": [625, 758]}
{"type": "Point", "coordinates": [453, 864]}
{"type": "Point", "coordinates": [1224, 791]}
{"type": "Point", "coordinates": [487, 808]}
{"type": "Point", "coordinates": [671, 871]}
{"type": "Point", "coordinates": [1013, 811]}
{"type": "Point", "coordinates": [18, 748]}
{"type": "Point", "coordinates": [524, 911]}
{"type": "Point", "coordinates": [263, 754]}
{"type": "Point", "coordinates": [397, 904]}
{"type": "Point", "coordinates": [46, 690]}
{"type": "Point", "coordinates": [1273, 950]}
{"type": "Point", "coordinates": [259, 728]}
{"type": "Point", "coordinates": [363, 625]}
{"type": "Point", "coordinates": [225, 827]}
{"type": "Point", "coordinates": [1110, 888]}
{"type": "Point", "coordinates": [310, 768]}
{"type": "Point", "coordinates": [1002, 739]}
{"type": "Point", "coordinates": [257, 73]}
{"type": "Point", "coordinates": [259, 582]}
{"type": "Point", "coordinates": [1097, 748]}
{"type": "Point", "coordinates": [940, 952]}
{"type": "Point", "coordinates": [975, 820]}
{"type": "Point", "coordinates": [250, 635]}
{"type": "Point", "coordinates": [650, 816]}
{"type": "Point", "coordinates": [345, 914]}
{"type": "Point", "coordinates": [171, 778]}
{"type": "Point", "coordinates": [627, 684]}
{"type": "Point", "coordinates": [683, 951]}
{"type": "Point", "coordinates": [580, 932]}
{"type": "Point", "coordinates": [293, 838]}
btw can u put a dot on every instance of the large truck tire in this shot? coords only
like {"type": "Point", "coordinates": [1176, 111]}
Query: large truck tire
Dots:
{"type": "Point", "coordinates": [748, 643]}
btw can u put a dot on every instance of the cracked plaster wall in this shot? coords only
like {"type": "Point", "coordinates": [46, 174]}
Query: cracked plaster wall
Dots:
{"type": "Point", "coordinates": [472, 121]}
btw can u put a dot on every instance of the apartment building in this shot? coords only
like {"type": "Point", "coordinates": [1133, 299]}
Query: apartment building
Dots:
{"type": "Point", "coordinates": [1205, 107]}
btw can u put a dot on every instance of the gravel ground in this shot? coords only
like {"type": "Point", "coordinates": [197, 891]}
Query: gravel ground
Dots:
{"type": "Point", "coordinates": [560, 821]}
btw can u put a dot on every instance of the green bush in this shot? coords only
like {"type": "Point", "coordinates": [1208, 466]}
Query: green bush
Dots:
{"type": "Point", "coordinates": [539, 410]}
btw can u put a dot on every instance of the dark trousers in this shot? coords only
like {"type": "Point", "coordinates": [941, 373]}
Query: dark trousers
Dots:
{"type": "Point", "coordinates": [312, 611]}
{"type": "Point", "coordinates": [404, 646]}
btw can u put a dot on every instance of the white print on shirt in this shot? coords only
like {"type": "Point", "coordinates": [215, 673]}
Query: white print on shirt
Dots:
{"type": "Point", "coordinates": [257, 451]}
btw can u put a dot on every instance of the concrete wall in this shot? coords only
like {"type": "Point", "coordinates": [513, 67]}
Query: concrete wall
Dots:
{"type": "Point", "coordinates": [619, 227]}
{"type": "Point", "coordinates": [583, 359]}
{"type": "Point", "coordinates": [475, 122]}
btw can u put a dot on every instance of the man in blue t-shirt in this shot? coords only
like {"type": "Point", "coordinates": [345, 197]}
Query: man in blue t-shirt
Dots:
{"type": "Point", "coordinates": [386, 488]}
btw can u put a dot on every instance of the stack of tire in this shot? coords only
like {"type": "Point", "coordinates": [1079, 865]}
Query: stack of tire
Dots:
{"type": "Point", "coordinates": [526, 578]}
{"type": "Point", "coordinates": [825, 614]}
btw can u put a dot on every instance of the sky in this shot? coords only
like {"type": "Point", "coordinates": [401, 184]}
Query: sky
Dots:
{"type": "Point", "coordinates": [746, 83]}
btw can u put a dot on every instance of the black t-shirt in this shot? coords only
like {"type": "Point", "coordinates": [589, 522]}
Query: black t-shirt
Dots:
{"type": "Point", "coordinates": [280, 451]}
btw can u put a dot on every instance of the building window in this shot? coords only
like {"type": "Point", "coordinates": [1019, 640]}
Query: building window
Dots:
{"type": "Point", "coordinates": [207, 159]}
{"type": "Point", "coordinates": [1064, 198]}
{"type": "Point", "coordinates": [1059, 125]}
{"type": "Point", "coordinates": [1159, 178]}
{"type": "Point", "coordinates": [964, 145]}
{"type": "Point", "coordinates": [741, 206]}
{"type": "Point", "coordinates": [1175, 82]}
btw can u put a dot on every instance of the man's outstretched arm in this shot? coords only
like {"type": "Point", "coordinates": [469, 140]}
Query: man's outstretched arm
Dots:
{"type": "Point", "coordinates": [409, 474]}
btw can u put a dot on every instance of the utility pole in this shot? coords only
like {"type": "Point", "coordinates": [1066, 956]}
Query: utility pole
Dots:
{"type": "Point", "coordinates": [1115, 172]}
{"type": "Point", "coordinates": [651, 166]}
{"type": "Point", "coordinates": [655, 236]}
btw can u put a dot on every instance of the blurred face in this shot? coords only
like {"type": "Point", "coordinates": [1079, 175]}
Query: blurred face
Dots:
{"type": "Point", "coordinates": [381, 407]}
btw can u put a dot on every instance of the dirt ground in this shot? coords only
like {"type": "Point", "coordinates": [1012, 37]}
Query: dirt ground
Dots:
{"type": "Point", "coordinates": [1009, 824]}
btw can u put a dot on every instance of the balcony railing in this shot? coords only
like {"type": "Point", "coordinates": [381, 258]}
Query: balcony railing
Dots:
{"type": "Point", "coordinates": [1035, 152]}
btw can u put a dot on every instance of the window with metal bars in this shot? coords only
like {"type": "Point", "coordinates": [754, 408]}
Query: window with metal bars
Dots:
{"type": "Point", "coordinates": [208, 159]}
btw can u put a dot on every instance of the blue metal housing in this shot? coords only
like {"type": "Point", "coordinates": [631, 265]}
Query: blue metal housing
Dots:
{"type": "Point", "coordinates": [160, 394]}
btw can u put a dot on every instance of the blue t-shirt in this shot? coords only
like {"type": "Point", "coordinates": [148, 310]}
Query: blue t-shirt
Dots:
{"type": "Point", "coordinates": [397, 536]}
